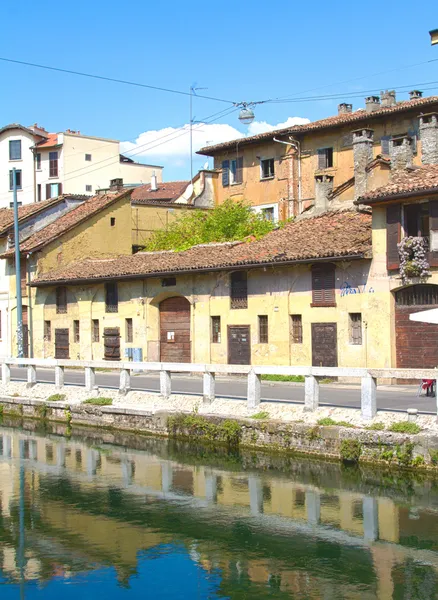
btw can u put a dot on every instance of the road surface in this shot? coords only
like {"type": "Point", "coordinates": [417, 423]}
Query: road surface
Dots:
{"type": "Point", "coordinates": [388, 397]}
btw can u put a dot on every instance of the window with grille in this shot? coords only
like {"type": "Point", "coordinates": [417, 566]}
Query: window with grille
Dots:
{"type": "Point", "coordinates": [355, 328]}
{"type": "Point", "coordinates": [325, 158]}
{"type": "Point", "coordinates": [417, 295]}
{"type": "Point", "coordinates": [323, 285]}
{"type": "Point", "coordinates": [267, 168]}
{"type": "Point", "coordinates": [263, 329]}
{"type": "Point", "coordinates": [111, 298]}
{"type": "Point", "coordinates": [61, 300]}
{"type": "Point", "coordinates": [76, 332]}
{"type": "Point", "coordinates": [129, 331]}
{"type": "Point", "coordinates": [96, 330]}
{"type": "Point", "coordinates": [47, 331]}
{"type": "Point", "coordinates": [239, 289]}
{"type": "Point", "coordinates": [53, 164]}
{"type": "Point", "coordinates": [15, 150]}
{"type": "Point", "coordinates": [215, 330]}
{"type": "Point", "coordinates": [297, 329]}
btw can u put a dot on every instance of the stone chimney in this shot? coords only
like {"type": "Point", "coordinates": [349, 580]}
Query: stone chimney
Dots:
{"type": "Point", "coordinates": [362, 155]}
{"type": "Point", "coordinates": [429, 138]}
{"type": "Point", "coordinates": [414, 94]}
{"type": "Point", "coordinates": [323, 190]}
{"type": "Point", "coordinates": [344, 108]}
{"type": "Point", "coordinates": [401, 152]}
{"type": "Point", "coordinates": [116, 184]}
{"type": "Point", "coordinates": [372, 103]}
{"type": "Point", "coordinates": [388, 98]}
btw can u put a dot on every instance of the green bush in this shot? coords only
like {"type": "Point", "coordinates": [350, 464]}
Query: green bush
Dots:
{"type": "Point", "coordinates": [405, 427]}
{"type": "Point", "coordinates": [294, 378]}
{"type": "Point", "coordinates": [376, 427]}
{"type": "Point", "coordinates": [99, 401]}
{"type": "Point", "coordinates": [434, 456]}
{"type": "Point", "coordinates": [56, 398]}
{"type": "Point", "coordinates": [227, 432]}
{"type": "Point", "coordinates": [261, 415]}
{"type": "Point", "coordinates": [228, 222]}
{"type": "Point", "coordinates": [351, 450]}
{"type": "Point", "coordinates": [326, 421]}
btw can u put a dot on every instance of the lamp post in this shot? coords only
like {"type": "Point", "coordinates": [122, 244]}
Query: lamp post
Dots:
{"type": "Point", "coordinates": [433, 37]}
{"type": "Point", "coordinates": [17, 269]}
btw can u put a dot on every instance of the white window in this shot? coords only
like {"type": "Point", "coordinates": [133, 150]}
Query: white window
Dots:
{"type": "Point", "coordinates": [268, 211]}
{"type": "Point", "coordinates": [15, 150]}
{"type": "Point", "coordinates": [267, 169]}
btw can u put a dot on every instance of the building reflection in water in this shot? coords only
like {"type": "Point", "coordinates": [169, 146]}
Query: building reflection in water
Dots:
{"type": "Point", "coordinates": [69, 508]}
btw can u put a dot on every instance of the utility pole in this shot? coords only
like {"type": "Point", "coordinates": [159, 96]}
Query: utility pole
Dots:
{"type": "Point", "coordinates": [17, 269]}
{"type": "Point", "coordinates": [193, 90]}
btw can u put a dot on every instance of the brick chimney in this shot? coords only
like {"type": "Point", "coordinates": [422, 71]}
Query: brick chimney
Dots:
{"type": "Point", "coordinates": [323, 190]}
{"type": "Point", "coordinates": [362, 155]}
{"type": "Point", "coordinates": [401, 152]}
{"type": "Point", "coordinates": [116, 184]}
{"type": "Point", "coordinates": [414, 94]}
{"type": "Point", "coordinates": [344, 108]}
{"type": "Point", "coordinates": [372, 103]}
{"type": "Point", "coordinates": [429, 138]}
{"type": "Point", "coordinates": [388, 98]}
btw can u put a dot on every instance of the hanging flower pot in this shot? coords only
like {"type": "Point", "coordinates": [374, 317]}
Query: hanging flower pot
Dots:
{"type": "Point", "coordinates": [413, 257]}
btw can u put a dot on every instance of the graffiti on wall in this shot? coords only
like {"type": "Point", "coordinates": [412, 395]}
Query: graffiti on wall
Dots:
{"type": "Point", "coordinates": [347, 289]}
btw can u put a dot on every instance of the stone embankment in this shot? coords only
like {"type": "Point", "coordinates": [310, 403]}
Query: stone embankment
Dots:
{"type": "Point", "coordinates": [329, 432]}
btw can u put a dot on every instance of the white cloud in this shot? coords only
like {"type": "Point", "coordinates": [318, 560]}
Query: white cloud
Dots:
{"type": "Point", "coordinates": [171, 145]}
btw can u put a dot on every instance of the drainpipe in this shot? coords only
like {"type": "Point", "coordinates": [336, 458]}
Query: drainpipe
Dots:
{"type": "Point", "coordinates": [295, 144]}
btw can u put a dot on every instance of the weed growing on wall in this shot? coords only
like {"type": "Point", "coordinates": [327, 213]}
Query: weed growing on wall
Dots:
{"type": "Point", "coordinates": [98, 401]}
{"type": "Point", "coordinates": [405, 427]}
{"type": "Point", "coordinates": [56, 398]}
{"type": "Point", "coordinates": [227, 432]}
{"type": "Point", "coordinates": [226, 223]}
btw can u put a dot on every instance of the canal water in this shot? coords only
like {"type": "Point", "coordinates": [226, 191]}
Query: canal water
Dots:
{"type": "Point", "coordinates": [115, 516]}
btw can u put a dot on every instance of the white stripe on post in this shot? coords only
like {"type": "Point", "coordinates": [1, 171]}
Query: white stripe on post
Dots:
{"type": "Point", "coordinates": [209, 387]}
{"type": "Point", "coordinates": [311, 393]}
{"type": "Point", "coordinates": [368, 403]}
{"type": "Point", "coordinates": [253, 389]}
{"type": "Point", "coordinates": [59, 377]}
{"type": "Point", "coordinates": [31, 376]}
{"type": "Point", "coordinates": [90, 379]}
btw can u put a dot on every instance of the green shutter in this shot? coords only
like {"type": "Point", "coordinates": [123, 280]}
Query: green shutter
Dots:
{"type": "Point", "coordinates": [225, 173]}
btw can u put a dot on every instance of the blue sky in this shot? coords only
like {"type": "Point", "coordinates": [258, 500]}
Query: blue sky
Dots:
{"type": "Point", "coordinates": [240, 51]}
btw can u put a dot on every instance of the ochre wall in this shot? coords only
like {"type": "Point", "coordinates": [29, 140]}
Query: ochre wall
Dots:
{"type": "Point", "coordinates": [149, 218]}
{"type": "Point", "coordinates": [277, 293]}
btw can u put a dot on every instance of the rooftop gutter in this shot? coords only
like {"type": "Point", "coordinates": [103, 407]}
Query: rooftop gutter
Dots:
{"type": "Point", "coordinates": [237, 267]}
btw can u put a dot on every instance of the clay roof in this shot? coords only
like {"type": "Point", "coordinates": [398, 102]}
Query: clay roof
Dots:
{"type": "Point", "coordinates": [52, 140]}
{"type": "Point", "coordinates": [68, 221]}
{"type": "Point", "coordinates": [165, 192]}
{"type": "Point", "coordinates": [334, 121]}
{"type": "Point", "coordinates": [405, 183]}
{"type": "Point", "coordinates": [329, 236]}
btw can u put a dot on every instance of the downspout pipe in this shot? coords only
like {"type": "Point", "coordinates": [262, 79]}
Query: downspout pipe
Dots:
{"type": "Point", "coordinates": [295, 144]}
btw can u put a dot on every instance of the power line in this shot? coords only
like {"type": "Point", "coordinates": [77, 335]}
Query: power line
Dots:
{"type": "Point", "coordinates": [114, 80]}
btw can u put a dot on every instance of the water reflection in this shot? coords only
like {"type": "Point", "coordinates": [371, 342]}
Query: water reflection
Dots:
{"type": "Point", "coordinates": [120, 520]}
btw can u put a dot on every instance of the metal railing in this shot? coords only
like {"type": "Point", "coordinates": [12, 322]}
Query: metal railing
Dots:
{"type": "Point", "coordinates": [367, 377]}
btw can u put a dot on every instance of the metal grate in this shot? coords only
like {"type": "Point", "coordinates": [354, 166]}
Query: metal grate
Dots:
{"type": "Point", "coordinates": [239, 290]}
{"type": "Point", "coordinates": [263, 329]}
{"type": "Point", "coordinates": [297, 329]}
{"type": "Point", "coordinates": [417, 295]}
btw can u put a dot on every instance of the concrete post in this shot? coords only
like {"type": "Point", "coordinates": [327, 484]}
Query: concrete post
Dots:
{"type": "Point", "coordinates": [125, 382]}
{"type": "Point", "coordinates": [90, 379]}
{"type": "Point", "coordinates": [313, 507]}
{"type": "Point", "coordinates": [166, 477]}
{"type": "Point", "coordinates": [370, 519]}
{"type": "Point", "coordinates": [255, 489]}
{"type": "Point", "coordinates": [368, 397]}
{"type": "Point", "coordinates": [311, 393]}
{"type": "Point", "coordinates": [412, 415]}
{"type": "Point", "coordinates": [59, 377]}
{"type": "Point", "coordinates": [31, 376]}
{"type": "Point", "coordinates": [211, 486]}
{"type": "Point", "coordinates": [6, 374]}
{"type": "Point", "coordinates": [165, 384]}
{"type": "Point", "coordinates": [254, 389]}
{"type": "Point", "coordinates": [209, 387]}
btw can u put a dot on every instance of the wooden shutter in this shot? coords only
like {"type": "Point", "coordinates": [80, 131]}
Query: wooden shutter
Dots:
{"type": "Point", "coordinates": [322, 159]}
{"type": "Point", "coordinates": [393, 228]}
{"type": "Point", "coordinates": [61, 300]}
{"type": "Point", "coordinates": [48, 192]}
{"type": "Point", "coordinates": [323, 285]}
{"type": "Point", "coordinates": [239, 170]}
{"type": "Point", "coordinates": [59, 189]}
{"type": "Point", "coordinates": [23, 275]}
{"type": "Point", "coordinates": [433, 224]}
{"type": "Point", "coordinates": [225, 173]}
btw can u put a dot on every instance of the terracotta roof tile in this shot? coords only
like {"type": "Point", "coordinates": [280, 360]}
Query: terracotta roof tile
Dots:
{"type": "Point", "coordinates": [165, 192]}
{"type": "Point", "coordinates": [24, 212]}
{"type": "Point", "coordinates": [52, 140]}
{"type": "Point", "coordinates": [329, 122]}
{"type": "Point", "coordinates": [418, 179]}
{"type": "Point", "coordinates": [329, 236]}
{"type": "Point", "coordinates": [68, 221]}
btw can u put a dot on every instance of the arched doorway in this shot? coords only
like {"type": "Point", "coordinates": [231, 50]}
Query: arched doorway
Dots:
{"type": "Point", "coordinates": [416, 343]}
{"type": "Point", "coordinates": [175, 330]}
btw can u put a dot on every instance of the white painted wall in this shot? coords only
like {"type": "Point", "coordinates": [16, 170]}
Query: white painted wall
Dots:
{"type": "Point", "coordinates": [26, 195]}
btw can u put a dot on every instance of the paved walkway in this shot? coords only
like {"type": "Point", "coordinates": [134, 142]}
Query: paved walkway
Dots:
{"type": "Point", "coordinates": [388, 397]}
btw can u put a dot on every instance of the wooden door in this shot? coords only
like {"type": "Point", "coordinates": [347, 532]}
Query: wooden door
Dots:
{"type": "Point", "coordinates": [175, 343]}
{"type": "Point", "coordinates": [25, 316]}
{"type": "Point", "coordinates": [324, 345]}
{"type": "Point", "coordinates": [62, 346]}
{"type": "Point", "coordinates": [239, 345]}
{"type": "Point", "coordinates": [111, 343]}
